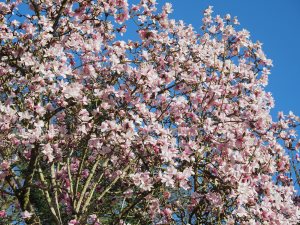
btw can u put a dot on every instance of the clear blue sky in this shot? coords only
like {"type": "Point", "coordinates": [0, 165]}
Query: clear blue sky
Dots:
{"type": "Point", "coordinates": [275, 23]}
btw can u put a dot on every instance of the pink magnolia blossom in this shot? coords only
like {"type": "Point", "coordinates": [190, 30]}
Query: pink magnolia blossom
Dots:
{"type": "Point", "coordinates": [26, 214]}
{"type": "Point", "coordinates": [172, 125]}
{"type": "Point", "coordinates": [2, 213]}
{"type": "Point", "coordinates": [48, 152]}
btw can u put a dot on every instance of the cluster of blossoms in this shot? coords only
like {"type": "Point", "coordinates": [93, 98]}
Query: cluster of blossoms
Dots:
{"type": "Point", "coordinates": [172, 127]}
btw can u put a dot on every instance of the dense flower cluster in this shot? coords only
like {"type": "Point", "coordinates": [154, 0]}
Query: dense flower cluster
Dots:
{"type": "Point", "coordinates": [172, 127]}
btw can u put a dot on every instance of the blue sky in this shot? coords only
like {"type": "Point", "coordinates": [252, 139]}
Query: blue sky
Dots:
{"type": "Point", "coordinates": [275, 23]}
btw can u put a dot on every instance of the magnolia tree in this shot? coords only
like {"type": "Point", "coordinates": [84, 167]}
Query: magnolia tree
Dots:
{"type": "Point", "coordinates": [171, 127]}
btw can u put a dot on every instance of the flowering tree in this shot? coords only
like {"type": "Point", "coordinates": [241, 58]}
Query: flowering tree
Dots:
{"type": "Point", "coordinates": [172, 127]}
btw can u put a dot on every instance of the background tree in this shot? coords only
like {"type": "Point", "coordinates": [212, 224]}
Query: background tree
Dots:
{"type": "Point", "coordinates": [173, 127]}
